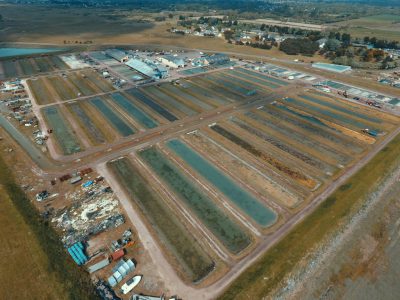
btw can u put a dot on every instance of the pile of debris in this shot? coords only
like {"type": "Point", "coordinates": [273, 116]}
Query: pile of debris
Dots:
{"type": "Point", "coordinates": [94, 209]}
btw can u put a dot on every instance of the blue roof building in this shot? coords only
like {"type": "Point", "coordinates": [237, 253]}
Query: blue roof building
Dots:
{"type": "Point", "coordinates": [148, 68]}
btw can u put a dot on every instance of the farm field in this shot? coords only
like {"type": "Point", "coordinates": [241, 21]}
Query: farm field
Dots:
{"type": "Point", "coordinates": [70, 86]}
{"type": "Point", "coordinates": [385, 26]}
{"type": "Point", "coordinates": [25, 67]}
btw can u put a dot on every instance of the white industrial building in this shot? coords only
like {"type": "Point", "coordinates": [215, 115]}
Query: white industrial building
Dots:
{"type": "Point", "coordinates": [331, 67]}
{"type": "Point", "coordinates": [148, 68]}
{"type": "Point", "coordinates": [215, 59]}
{"type": "Point", "coordinates": [171, 61]}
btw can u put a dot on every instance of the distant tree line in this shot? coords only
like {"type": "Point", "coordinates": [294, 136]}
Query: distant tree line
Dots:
{"type": "Point", "coordinates": [382, 44]}
{"type": "Point", "coordinates": [77, 42]}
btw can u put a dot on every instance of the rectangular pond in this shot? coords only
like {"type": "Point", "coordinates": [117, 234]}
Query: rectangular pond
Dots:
{"type": "Point", "coordinates": [229, 85]}
{"type": "Point", "coordinates": [63, 133]}
{"type": "Point", "coordinates": [240, 81]}
{"type": "Point", "coordinates": [10, 52]}
{"type": "Point", "coordinates": [171, 101]}
{"type": "Point", "coordinates": [299, 137]}
{"type": "Point", "coordinates": [277, 163]}
{"type": "Point", "coordinates": [219, 223]}
{"type": "Point", "coordinates": [10, 68]}
{"type": "Point", "coordinates": [241, 198]}
{"type": "Point", "coordinates": [201, 92]}
{"type": "Point", "coordinates": [262, 76]}
{"type": "Point", "coordinates": [190, 99]}
{"type": "Point", "coordinates": [254, 78]}
{"type": "Point", "coordinates": [310, 125]}
{"type": "Point", "coordinates": [135, 112]}
{"type": "Point", "coordinates": [182, 244]}
{"type": "Point", "coordinates": [339, 108]}
{"type": "Point", "coordinates": [89, 125]}
{"type": "Point", "coordinates": [117, 122]}
{"type": "Point", "coordinates": [308, 159]}
{"type": "Point", "coordinates": [152, 104]}
{"type": "Point", "coordinates": [205, 83]}
{"type": "Point", "coordinates": [81, 84]}
{"type": "Point", "coordinates": [326, 113]}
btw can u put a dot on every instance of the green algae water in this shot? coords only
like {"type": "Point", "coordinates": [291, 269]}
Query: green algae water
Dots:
{"type": "Point", "coordinates": [191, 256]}
{"type": "Point", "coordinates": [63, 133]}
{"type": "Point", "coordinates": [222, 226]}
{"type": "Point", "coordinates": [241, 198]}
{"type": "Point", "coordinates": [135, 112]}
{"type": "Point", "coordinates": [123, 128]}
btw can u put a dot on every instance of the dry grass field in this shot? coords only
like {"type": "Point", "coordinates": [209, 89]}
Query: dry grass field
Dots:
{"type": "Point", "coordinates": [384, 26]}
{"type": "Point", "coordinates": [103, 26]}
{"type": "Point", "coordinates": [66, 24]}
{"type": "Point", "coordinates": [24, 266]}
{"type": "Point", "coordinates": [34, 263]}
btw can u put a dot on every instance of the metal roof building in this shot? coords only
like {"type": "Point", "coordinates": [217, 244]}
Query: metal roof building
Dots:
{"type": "Point", "coordinates": [142, 297]}
{"type": "Point", "coordinates": [217, 58]}
{"type": "Point", "coordinates": [98, 266]}
{"type": "Point", "coordinates": [117, 54]}
{"type": "Point", "coordinates": [172, 61]}
{"type": "Point", "coordinates": [331, 67]}
{"type": "Point", "coordinates": [148, 68]}
{"type": "Point", "coordinates": [120, 271]}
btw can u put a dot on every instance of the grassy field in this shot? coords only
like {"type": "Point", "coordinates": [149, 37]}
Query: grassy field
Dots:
{"type": "Point", "coordinates": [269, 271]}
{"type": "Point", "coordinates": [23, 261]}
{"type": "Point", "coordinates": [384, 20]}
{"type": "Point", "coordinates": [385, 26]}
{"type": "Point", "coordinates": [33, 264]}
{"type": "Point", "coordinates": [82, 24]}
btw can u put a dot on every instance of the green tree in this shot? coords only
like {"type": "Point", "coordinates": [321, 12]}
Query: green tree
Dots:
{"type": "Point", "coordinates": [299, 46]}
{"type": "Point", "coordinates": [332, 45]}
{"type": "Point", "coordinates": [346, 39]}
{"type": "Point", "coordinates": [228, 34]}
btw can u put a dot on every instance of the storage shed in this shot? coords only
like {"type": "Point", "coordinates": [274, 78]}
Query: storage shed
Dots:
{"type": "Point", "coordinates": [118, 254]}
